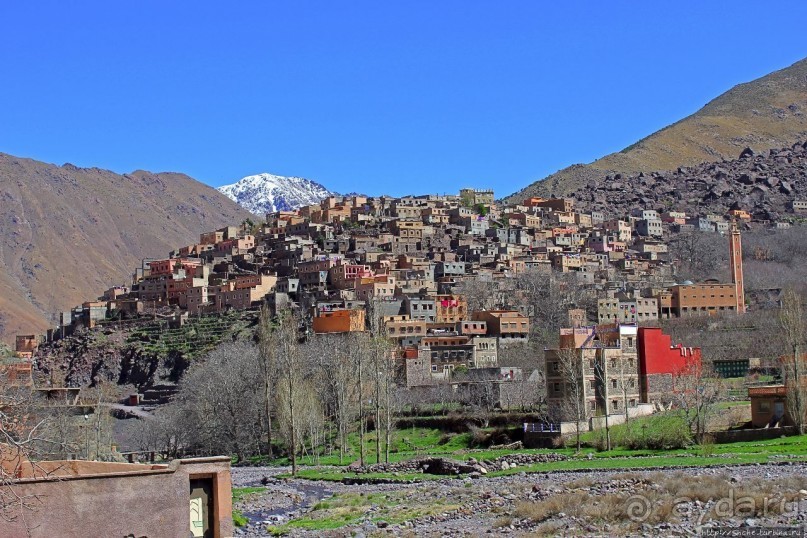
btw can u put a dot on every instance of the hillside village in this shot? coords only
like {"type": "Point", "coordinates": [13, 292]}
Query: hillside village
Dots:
{"type": "Point", "coordinates": [456, 281]}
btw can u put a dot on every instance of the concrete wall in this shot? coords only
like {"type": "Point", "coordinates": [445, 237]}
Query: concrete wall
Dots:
{"type": "Point", "coordinates": [119, 501]}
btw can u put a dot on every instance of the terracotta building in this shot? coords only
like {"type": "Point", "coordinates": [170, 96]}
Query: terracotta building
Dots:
{"type": "Point", "coordinates": [76, 499]}
{"type": "Point", "coordinates": [339, 321]}
{"type": "Point", "coordinates": [702, 299]}
{"type": "Point", "coordinates": [507, 325]}
{"type": "Point", "coordinates": [768, 406]}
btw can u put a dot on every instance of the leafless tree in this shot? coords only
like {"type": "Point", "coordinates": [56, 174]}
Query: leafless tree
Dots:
{"type": "Point", "coordinates": [268, 347]}
{"type": "Point", "coordinates": [794, 330]}
{"type": "Point", "coordinates": [358, 357]}
{"type": "Point", "coordinates": [381, 350]}
{"type": "Point", "coordinates": [573, 404]}
{"type": "Point", "coordinates": [291, 366]}
{"type": "Point", "coordinates": [479, 294]}
{"type": "Point", "coordinates": [218, 408]}
{"type": "Point", "coordinates": [602, 380]}
{"type": "Point", "coordinates": [623, 370]}
{"type": "Point", "coordinates": [698, 254]}
{"type": "Point", "coordinates": [337, 375]}
{"type": "Point", "coordinates": [697, 390]}
{"type": "Point", "coordinates": [548, 295]}
{"type": "Point", "coordinates": [25, 436]}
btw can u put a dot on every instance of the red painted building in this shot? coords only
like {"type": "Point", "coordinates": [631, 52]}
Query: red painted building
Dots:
{"type": "Point", "coordinates": [659, 361]}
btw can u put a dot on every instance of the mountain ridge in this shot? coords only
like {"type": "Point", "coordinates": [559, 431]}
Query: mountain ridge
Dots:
{"type": "Point", "coordinates": [266, 193]}
{"type": "Point", "coordinates": [69, 231]}
{"type": "Point", "coordinates": [766, 113]}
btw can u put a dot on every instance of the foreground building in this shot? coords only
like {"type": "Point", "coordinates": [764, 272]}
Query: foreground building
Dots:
{"type": "Point", "coordinates": [76, 499]}
{"type": "Point", "coordinates": [598, 364]}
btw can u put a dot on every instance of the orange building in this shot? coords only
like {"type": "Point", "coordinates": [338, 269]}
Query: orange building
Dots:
{"type": "Point", "coordinates": [768, 406]}
{"type": "Point", "coordinates": [166, 267]}
{"type": "Point", "coordinates": [339, 321]}
{"type": "Point", "coordinates": [701, 299]}
{"type": "Point", "coordinates": [506, 324]}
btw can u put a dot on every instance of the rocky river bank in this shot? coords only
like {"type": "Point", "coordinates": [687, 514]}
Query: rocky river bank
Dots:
{"type": "Point", "coordinates": [673, 502]}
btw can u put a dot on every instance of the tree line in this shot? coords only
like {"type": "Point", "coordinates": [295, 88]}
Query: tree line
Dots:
{"type": "Point", "coordinates": [286, 390]}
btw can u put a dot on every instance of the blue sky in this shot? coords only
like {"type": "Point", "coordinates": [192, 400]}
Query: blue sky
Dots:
{"type": "Point", "coordinates": [379, 97]}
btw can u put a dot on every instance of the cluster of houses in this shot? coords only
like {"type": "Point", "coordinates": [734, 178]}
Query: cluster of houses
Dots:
{"type": "Point", "coordinates": [409, 257]}
{"type": "Point", "coordinates": [413, 253]}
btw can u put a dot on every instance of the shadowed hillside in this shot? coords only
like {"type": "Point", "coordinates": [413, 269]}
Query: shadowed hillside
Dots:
{"type": "Point", "coordinates": [67, 233]}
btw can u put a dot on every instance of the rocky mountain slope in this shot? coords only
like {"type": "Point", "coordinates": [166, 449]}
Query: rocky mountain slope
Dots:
{"type": "Point", "coordinates": [266, 193]}
{"type": "Point", "coordinates": [770, 112]}
{"type": "Point", "coordinates": [762, 184]}
{"type": "Point", "coordinates": [67, 233]}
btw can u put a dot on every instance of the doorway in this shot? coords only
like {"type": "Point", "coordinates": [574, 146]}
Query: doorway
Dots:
{"type": "Point", "coordinates": [201, 508]}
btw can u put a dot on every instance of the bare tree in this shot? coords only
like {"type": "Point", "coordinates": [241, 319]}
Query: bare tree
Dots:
{"type": "Point", "coordinates": [25, 437]}
{"type": "Point", "coordinates": [358, 358]}
{"type": "Point", "coordinates": [794, 329]}
{"type": "Point", "coordinates": [290, 364]}
{"type": "Point", "coordinates": [217, 410]}
{"type": "Point", "coordinates": [268, 347]}
{"type": "Point", "coordinates": [602, 381]}
{"type": "Point", "coordinates": [623, 371]}
{"type": "Point", "coordinates": [337, 375]}
{"type": "Point", "coordinates": [697, 389]}
{"type": "Point", "coordinates": [573, 404]}
{"type": "Point", "coordinates": [479, 294]}
{"type": "Point", "coordinates": [383, 364]}
{"type": "Point", "coordinates": [698, 254]}
{"type": "Point", "coordinates": [548, 295]}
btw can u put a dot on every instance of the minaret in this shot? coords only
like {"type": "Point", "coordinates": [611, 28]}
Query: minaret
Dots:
{"type": "Point", "coordinates": [736, 258]}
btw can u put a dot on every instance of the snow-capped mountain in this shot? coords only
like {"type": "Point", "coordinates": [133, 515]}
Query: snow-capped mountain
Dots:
{"type": "Point", "coordinates": [266, 193]}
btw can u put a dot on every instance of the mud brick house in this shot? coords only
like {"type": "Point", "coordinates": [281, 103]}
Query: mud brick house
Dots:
{"type": "Point", "coordinates": [708, 298]}
{"type": "Point", "coordinates": [769, 406]}
{"type": "Point", "coordinates": [339, 321]}
{"type": "Point", "coordinates": [506, 325]}
{"type": "Point", "coordinates": [606, 356]}
{"type": "Point", "coordinates": [76, 499]}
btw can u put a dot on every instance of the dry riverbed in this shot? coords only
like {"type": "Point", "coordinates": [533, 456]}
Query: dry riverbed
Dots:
{"type": "Point", "coordinates": [675, 502]}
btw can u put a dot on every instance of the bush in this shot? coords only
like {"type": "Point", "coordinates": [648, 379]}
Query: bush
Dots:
{"type": "Point", "coordinates": [660, 432]}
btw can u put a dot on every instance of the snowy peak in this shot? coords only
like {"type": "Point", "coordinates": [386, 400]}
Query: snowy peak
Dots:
{"type": "Point", "coordinates": [266, 193]}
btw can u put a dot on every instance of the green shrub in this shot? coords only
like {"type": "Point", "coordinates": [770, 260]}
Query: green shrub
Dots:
{"type": "Point", "coordinates": [238, 519]}
{"type": "Point", "coordinates": [658, 432]}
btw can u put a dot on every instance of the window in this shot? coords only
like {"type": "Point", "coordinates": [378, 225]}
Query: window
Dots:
{"type": "Point", "coordinates": [764, 406]}
{"type": "Point", "coordinates": [556, 387]}
{"type": "Point", "coordinates": [613, 383]}
{"type": "Point", "coordinates": [615, 404]}
{"type": "Point", "coordinates": [632, 402]}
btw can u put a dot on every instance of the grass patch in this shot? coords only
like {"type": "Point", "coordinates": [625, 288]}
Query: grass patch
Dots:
{"type": "Point", "coordinates": [344, 509]}
{"type": "Point", "coordinates": [239, 494]}
{"type": "Point", "coordinates": [239, 520]}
